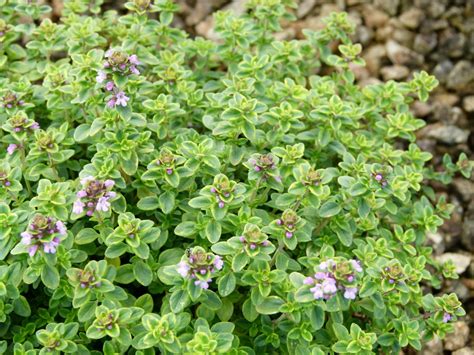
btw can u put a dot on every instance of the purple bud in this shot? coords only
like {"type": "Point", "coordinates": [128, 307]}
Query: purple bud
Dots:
{"type": "Point", "coordinates": [257, 168]}
{"type": "Point", "coordinates": [9, 105]}
{"type": "Point", "coordinates": [265, 243]}
{"type": "Point", "coordinates": [109, 326]}
{"type": "Point", "coordinates": [90, 204]}
{"type": "Point", "coordinates": [252, 246]}
{"type": "Point", "coordinates": [378, 177]}
{"type": "Point", "coordinates": [131, 235]}
{"type": "Point", "coordinates": [221, 204]}
{"type": "Point", "coordinates": [242, 239]}
{"type": "Point", "coordinates": [350, 278]}
{"type": "Point", "coordinates": [279, 222]}
{"type": "Point", "coordinates": [90, 213]}
{"type": "Point", "coordinates": [203, 271]}
{"type": "Point", "coordinates": [446, 317]}
{"type": "Point", "coordinates": [213, 190]}
{"type": "Point", "coordinates": [289, 234]}
{"type": "Point", "coordinates": [290, 226]}
{"type": "Point", "coordinates": [7, 183]}
{"type": "Point", "coordinates": [17, 129]}
{"type": "Point", "coordinates": [227, 194]}
{"type": "Point", "coordinates": [169, 171]}
{"type": "Point", "coordinates": [98, 284]}
{"type": "Point", "coordinates": [392, 281]}
{"type": "Point", "coordinates": [83, 285]}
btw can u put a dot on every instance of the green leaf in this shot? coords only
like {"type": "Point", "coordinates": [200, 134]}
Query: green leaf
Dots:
{"type": "Point", "coordinates": [226, 284]}
{"type": "Point", "coordinates": [213, 231]}
{"type": "Point", "coordinates": [270, 305]}
{"type": "Point", "coordinates": [148, 203]}
{"type": "Point", "coordinates": [239, 261]}
{"type": "Point", "coordinates": [329, 209]}
{"type": "Point", "coordinates": [316, 317]}
{"type": "Point", "coordinates": [87, 311]}
{"type": "Point", "coordinates": [82, 132]}
{"type": "Point", "coordinates": [200, 202]}
{"type": "Point", "coordinates": [179, 300]}
{"type": "Point", "coordinates": [143, 273]}
{"type": "Point", "coordinates": [21, 307]}
{"type": "Point", "coordinates": [86, 236]}
{"type": "Point", "coordinates": [50, 276]}
{"type": "Point", "coordinates": [166, 202]}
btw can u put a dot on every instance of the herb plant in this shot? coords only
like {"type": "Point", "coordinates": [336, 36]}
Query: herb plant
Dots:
{"type": "Point", "coordinates": [168, 194]}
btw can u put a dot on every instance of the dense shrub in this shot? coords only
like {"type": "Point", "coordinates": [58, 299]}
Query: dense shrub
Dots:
{"type": "Point", "coordinates": [176, 195]}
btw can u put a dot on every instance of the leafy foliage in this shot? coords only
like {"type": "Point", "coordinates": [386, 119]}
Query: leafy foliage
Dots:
{"type": "Point", "coordinates": [176, 195]}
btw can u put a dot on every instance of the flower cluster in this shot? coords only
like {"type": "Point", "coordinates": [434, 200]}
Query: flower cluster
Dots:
{"type": "Point", "coordinates": [333, 276]}
{"type": "Point", "coordinates": [87, 279]}
{"type": "Point", "coordinates": [288, 222]}
{"type": "Point", "coordinates": [21, 123]}
{"type": "Point", "coordinates": [11, 100]}
{"type": "Point", "coordinates": [166, 160]}
{"type": "Point", "coordinates": [120, 63]}
{"type": "Point", "coordinates": [4, 179]}
{"type": "Point", "coordinates": [266, 165]}
{"type": "Point", "coordinates": [253, 238]}
{"type": "Point", "coordinates": [94, 196]}
{"type": "Point", "coordinates": [200, 266]}
{"type": "Point", "coordinates": [223, 188]}
{"type": "Point", "coordinates": [393, 273]}
{"type": "Point", "coordinates": [43, 233]}
{"type": "Point", "coordinates": [380, 179]}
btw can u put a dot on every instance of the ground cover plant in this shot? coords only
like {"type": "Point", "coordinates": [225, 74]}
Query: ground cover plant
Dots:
{"type": "Point", "coordinates": [162, 194]}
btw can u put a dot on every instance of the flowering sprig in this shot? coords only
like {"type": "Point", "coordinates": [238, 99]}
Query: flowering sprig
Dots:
{"type": "Point", "coordinates": [335, 275]}
{"type": "Point", "coordinates": [94, 196]}
{"type": "Point", "coordinates": [200, 266]}
{"type": "Point", "coordinates": [10, 100]}
{"type": "Point", "coordinates": [20, 122]}
{"type": "Point", "coordinates": [222, 195]}
{"type": "Point", "coordinates": [43, 233]}
{"type": "Point", "coordinates": [120, 63]}
{"type": "Point", "coordinates": [264, 167]}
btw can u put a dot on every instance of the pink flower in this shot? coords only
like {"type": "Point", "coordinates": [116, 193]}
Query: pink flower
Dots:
{"type": "Point", "coordinates": [203, 284]}
{"type": "Point", "coordinates": [356, 265]}
{"type": "Point", "coordinates": [101, 76]}
{"type": "Point", "coordinates": [109, 183]}
{"type": "Point", "coordinates": [78, 207]}
{"type": "Point", "coordinates": [447, 317]}
{"type": "Point", "coordinates": [33, 249]}
{"type": "Point", "coordinates": [50, 247]}
{"type": "Point", "coordinates": [26, 238]}
{"type": "Point", "coordinates": [122, 99]}
{"type": "Point", "coordinates": [133, 59]}
{"type": "Point", "coordinates": [35, 125]}
{"type": "Point", "coordinates": [329, 286]}
{"type": "Point", "coordinates": [218, 262]}
{"type": "Point", "coordinates": [61, 228]}
{"type": "Point", "coordinates": [134, 70]}
{"type": "Point", "coordinates": [308, 281]}
{"type": "Point", "coordinates": [317, 292]}
{"type": "Point", "coordinates": [350, 293]}
{"type": "Point", "coordinates": [11, 148]}
{"type": "Point", "coordinates": [109, 86]}
{"type": "Point", "coordinates": [111, 103]}
{"type": "Point", "coordinates": [110, 194]}
{"type": "Point", "coordinates": [81, 194]}
{"type": "Point", "coordinates": [183, 269]}
{"type": "Point", "coordinates": [103, 204]}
